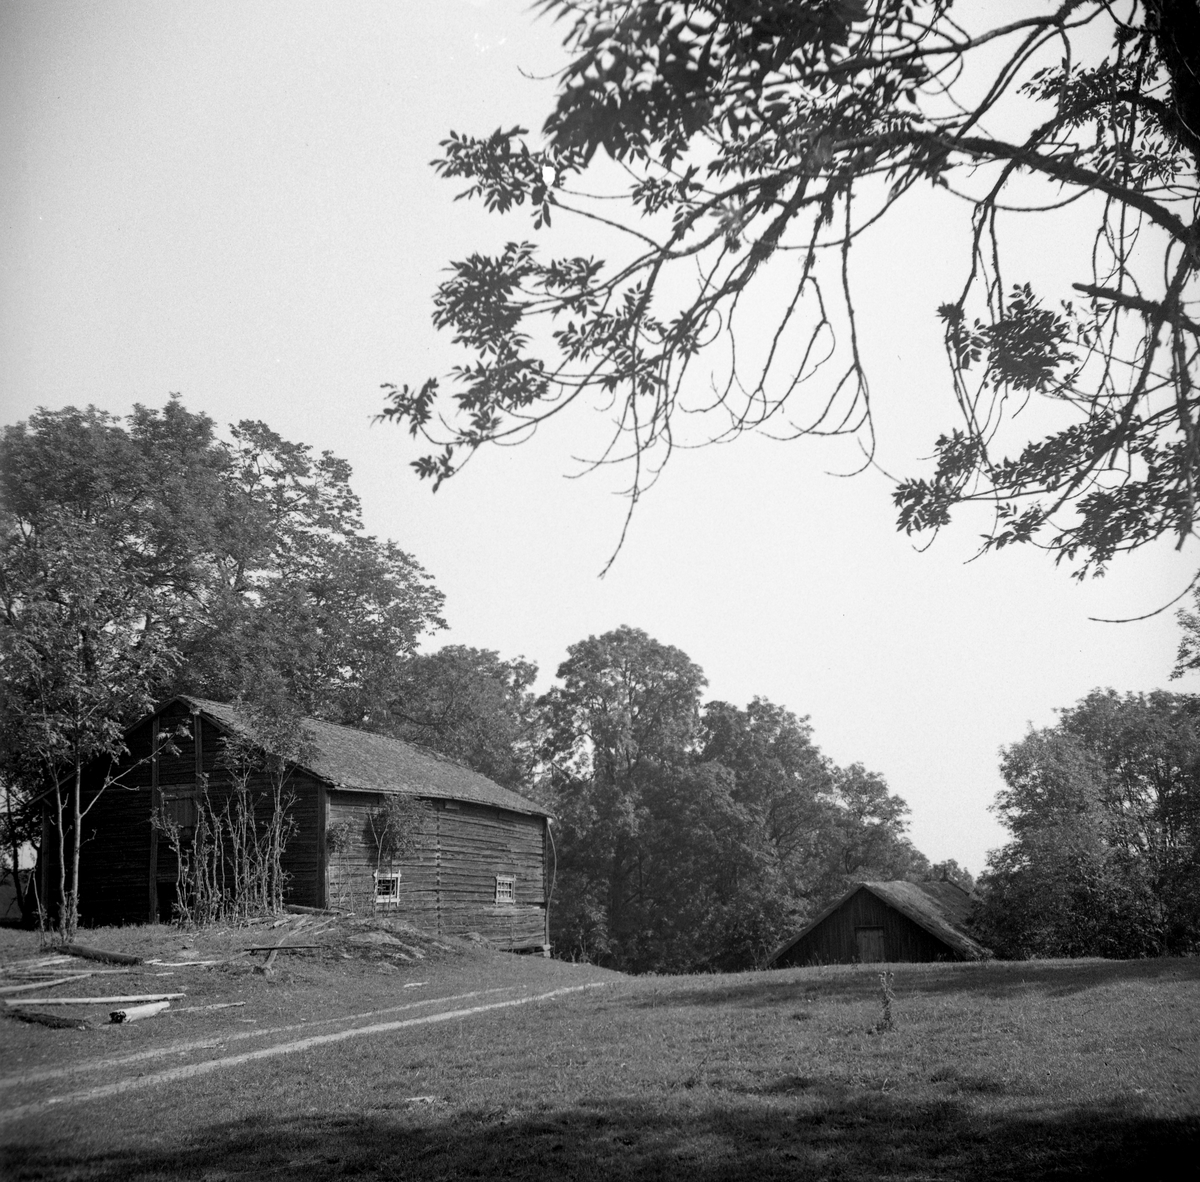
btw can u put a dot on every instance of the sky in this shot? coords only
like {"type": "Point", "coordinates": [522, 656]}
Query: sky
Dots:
{"type": "Point", "coordinates": [233, 201]}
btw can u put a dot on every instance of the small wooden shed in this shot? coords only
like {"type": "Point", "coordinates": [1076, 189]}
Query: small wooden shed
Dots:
{"type": "Point", "coordinates": [479, 866]}
{"type": "Point", "coordinates": [887, 921]}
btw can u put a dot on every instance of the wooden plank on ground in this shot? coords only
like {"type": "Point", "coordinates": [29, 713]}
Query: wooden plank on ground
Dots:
{"type": "Point", "coordinates": [279, 948]}
{"type": "Point", "coordinates": [42, 984]}
{"type": "Point", "coordinates": [91, 1001]}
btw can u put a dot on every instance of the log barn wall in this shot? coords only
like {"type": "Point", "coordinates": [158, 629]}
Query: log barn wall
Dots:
{"type": "Point", "coordinates": [834, 941]}
{"type": "Point", "coordinates": [448, 886]}
{"type": "Point", "coordinates": [127, 870]}
{"type": "Point", "coordinates": [351, 872]}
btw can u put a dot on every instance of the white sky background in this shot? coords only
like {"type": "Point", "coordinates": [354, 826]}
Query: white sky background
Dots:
{"type": "Point", "coordinates": [233, 201]}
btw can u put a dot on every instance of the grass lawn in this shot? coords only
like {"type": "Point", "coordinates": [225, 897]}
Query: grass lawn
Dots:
{"type": "Point", "coordinates": [1033, 1070]}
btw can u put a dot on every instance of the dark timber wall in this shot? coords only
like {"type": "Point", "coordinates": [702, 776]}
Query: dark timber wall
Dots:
{"type": "Point", "coordinates": [449, 885]}
{"type": "Point", "coordinates": [834, 939]}
{"type": "Point", "coordinates": [127, 870]}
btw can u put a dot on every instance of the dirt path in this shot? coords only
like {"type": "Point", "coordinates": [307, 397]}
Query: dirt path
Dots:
{"type": "Point", "coordinates": [88, 1067]}
{"type": "Point", "coordinates": [187, 1071]}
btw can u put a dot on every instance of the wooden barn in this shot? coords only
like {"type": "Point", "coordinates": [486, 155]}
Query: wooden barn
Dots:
{"type": "Point", "coordinates": [479, 865]}
{"type": "Point", "coordinates": [887, 921]}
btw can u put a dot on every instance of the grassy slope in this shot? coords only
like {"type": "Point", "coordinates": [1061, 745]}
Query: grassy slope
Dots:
{"type": "Point", "coordinates": [1084, 1069]}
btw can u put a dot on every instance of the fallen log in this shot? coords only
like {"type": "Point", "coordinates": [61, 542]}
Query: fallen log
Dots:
{"type": "Point", "coordinates": [99, 954]}
{"type": "Point", "coordinates": [296, 909]}
{"type": "Point", "coordinates": [66, 970]}
{"type": "Point", "coordinates": [42, 984]}
{"type": "Point", "coordinates": [92, 1001]}
{"type": "Point", "coordinates": [283, 947]}
{"type": "Point", "coordinates": [137, 1013]}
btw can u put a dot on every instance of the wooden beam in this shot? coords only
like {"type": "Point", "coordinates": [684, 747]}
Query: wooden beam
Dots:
{"type": "Point", "coordinates": [198, 744]}
{"type": "Point", "coordinates": [322, 852]}
{"type": "Point", "coordinates": [91, 1001]}
{"type": "Point", "coordinates": [42, 984]}
{"type": "Point", "coordinates": [155, 805]}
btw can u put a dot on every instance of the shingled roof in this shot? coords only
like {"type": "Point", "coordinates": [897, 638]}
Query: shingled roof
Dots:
{"type": "Point", "coordinates": [359, 761]}
{"type": "Point", "coordinates": [941, 908]}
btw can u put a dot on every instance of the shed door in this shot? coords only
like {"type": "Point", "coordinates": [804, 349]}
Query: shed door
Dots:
{"type": "Point", "coordinates": [870, 945]}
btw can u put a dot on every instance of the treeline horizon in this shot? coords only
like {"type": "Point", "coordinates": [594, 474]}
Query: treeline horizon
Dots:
{"type": "Point", "coordinates": [147, 557]}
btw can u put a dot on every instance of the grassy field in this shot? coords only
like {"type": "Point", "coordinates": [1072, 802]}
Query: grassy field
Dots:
{"type": "Point", "coordinates": [1034, 1070]}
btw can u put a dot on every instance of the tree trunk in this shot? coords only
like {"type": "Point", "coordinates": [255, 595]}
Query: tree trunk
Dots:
{"type": "Point", "coordinates": [76, 825]}
{"type": "Point", "coordinates": [15, 851]}
{"type": "Point", "coordinates": [60, 918]}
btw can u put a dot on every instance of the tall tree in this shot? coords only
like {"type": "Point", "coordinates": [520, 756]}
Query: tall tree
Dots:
{"type": "Point", "coordinates": [1104, 809]}
{"type": "Point", "coordinates": [296, 587]}
{"type": "Point", "coordinates": [469, 704]}
{"type": "Point", "coordinates": [871, 841]}
{"type": "Point", "coordinates": [625, 716]}
{"type": "Point", "coordinates": [779, 773]}
{"type": "Point", "coordinates": [81, 653]}
{"type": "Point", "coordinates": [754, 145]}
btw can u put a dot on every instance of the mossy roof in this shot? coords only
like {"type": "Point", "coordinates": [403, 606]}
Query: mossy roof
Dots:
{"type": "Point", "coordinates": [941, 908]}
{"type": "Point", "coordinates": [359, 761]}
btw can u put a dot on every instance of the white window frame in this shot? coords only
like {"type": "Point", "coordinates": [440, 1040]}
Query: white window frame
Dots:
{"type": "Point", "coordinates": [506, 889]}
{"type": "Point", "coordinates": [389, 880]}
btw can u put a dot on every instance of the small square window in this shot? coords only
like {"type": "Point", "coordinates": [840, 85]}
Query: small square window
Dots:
{"type": "Point", "coordinates": [179, 806]}
{"type": "Point", "coordinates": [387, 888]}
{"type": "Point", "coordinates": [506, 888]}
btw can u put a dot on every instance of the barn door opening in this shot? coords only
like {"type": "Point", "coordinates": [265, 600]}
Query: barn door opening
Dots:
{"type": "Point", "coordinates": [167, 892]}
{"type": "Point", "coordinates": [870, 945]}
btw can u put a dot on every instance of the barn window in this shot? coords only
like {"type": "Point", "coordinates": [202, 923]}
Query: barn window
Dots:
{"type": "Point", "coordinates": [506, 888]}
{"type": "Point", "coordinates": [387, 888]}
{"type": "Point", "coordinates": [179, 806]}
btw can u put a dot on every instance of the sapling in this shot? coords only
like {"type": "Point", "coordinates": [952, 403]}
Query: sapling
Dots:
{"type": "Point", "coordinates": [395, 828]}
{"type": "Point", "coordinates": [886, 997]}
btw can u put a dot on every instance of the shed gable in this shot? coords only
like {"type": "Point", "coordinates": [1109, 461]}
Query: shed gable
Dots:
{"type": "Point", "coordinates": [892, 921]}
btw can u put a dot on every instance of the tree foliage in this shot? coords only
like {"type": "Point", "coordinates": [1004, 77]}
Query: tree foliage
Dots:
{"type": "Point", "coordinates": [696, 839]}
{"type": "Point", "coordinates": [469, 704]}
{"type": "Point", "coordinates": [81, 653]}
{"type": "Point", "coordinates": [734, 156]}
{"type": "Point", "coordinates": [1104, 809]}
{"type": "Point", "coordinates": [395, 828]}
{"type": "Point", "coordinates": [249, 554]}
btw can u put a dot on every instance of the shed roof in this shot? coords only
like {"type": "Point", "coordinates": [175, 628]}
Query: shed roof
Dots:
{"type": "Point", "coordinates": [941, 908]}
{"type": "Point", "coordinates": [359, 761]}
